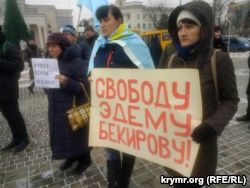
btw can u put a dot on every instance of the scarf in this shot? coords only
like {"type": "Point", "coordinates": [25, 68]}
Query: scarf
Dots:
{"type": "Point", "coordinates": [132, 44]}
{"type": "Point", "coordinates": [184, 52]}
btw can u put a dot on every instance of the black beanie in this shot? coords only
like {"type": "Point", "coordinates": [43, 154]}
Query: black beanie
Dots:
{"type": "Point", "coordinates": [2, 36]}
{"type": "Point", "coordinates": [217, 28]}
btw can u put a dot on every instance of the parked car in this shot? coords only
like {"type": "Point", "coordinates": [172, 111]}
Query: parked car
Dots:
{"type": "Point", "coordinates": [237, 43]}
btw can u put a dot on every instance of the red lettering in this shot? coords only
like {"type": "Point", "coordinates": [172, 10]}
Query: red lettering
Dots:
{"type": "Point", "coordinates": [131, 138]}
{"type": "Point", "coordinates": [122, 89]}
{"type": "Point", "coordinates": [111, 132]}
{"type": "Point", "coordinates": [106, 110]}
{"type": "Point", "coordinates": [148, 93]}
{"type": "Point", "coordinates": [134, 95]}
{"type": "Point", "coordinates": [186, 126]}
{"type": "Point", "coordinates": [120, 133]}
{"type": "Point", "coordinates": [180, 150]}
{"type": "Point", "coordinates": [131, 117]}
{"type": "Point", "coordinates": [184, 96]}
{"type": "Point", "coordinates": [97, 87]}
{"type": "Point", "coordinates": [164, 151]}
{"type": "Point", "coordinates": [140, 137]}
{"type": "Point", "coordinates": [119, 112]}
{"type": "Point", "coordinates": [162, 120]}
{"type": "Point", "coordinates": [152, 147]}
{"type": "Point", "coordinates": [103, 135]}
{"type": "Point", "coordinates": [110, 89]}
{"type": "Point", "coordinates": [162, 88]}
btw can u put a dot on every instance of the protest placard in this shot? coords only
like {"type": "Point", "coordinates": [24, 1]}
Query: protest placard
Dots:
{"type": "Point", "coordinates": [45, 71]}
{"type": "Point", "coordinates": [147, 113]}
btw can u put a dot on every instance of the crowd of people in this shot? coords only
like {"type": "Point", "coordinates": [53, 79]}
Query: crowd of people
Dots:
{"type": "Point", "coordinates": [190, 27]}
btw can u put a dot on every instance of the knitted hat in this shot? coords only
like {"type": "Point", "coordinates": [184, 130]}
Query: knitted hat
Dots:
{"type": "Point", "coordinates": [89, 28]}
{"type": "Point", "coordinates": [185, 14]}
{"type": "Point", "coordinates": [217, 28]}
{"type": "Point", "coordinates": [58, 38]}
{"type": "Point", "coordinates": [70, 29]}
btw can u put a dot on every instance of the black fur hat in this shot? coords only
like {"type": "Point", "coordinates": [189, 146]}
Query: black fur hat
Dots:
{"type": "Point", "coordinates": [2, 36]}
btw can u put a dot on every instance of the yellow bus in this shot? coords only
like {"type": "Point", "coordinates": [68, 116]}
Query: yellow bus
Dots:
{"type": "Point", "coordinates": [163, 36]}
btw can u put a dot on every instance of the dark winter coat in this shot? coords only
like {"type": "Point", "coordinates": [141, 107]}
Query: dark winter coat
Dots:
{"type": "Point", "coordinates": [200, 56]}
{"type": "Point", "coordinates": [166, 54]}
{"type": "Point", "coordinates": [31, 52]}
{"type": "Point", "coordinates": [91, 40]}
{"type": "Point", "coordinates": [155, 50]}
{"type": "Point", "coordinates": [85, 50]}
{"type": "Point", "coordinates": [11, 66]}
{"type": "Point", "coordinates": [219, 44]}
{"type": "Point", "coordinates": [119, 59]}
{"type": "Point", "coordinates": [64, 142]}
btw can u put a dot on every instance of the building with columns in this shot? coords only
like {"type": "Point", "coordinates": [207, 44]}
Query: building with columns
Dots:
{"type": "Point", "coordinates": [41, 19]}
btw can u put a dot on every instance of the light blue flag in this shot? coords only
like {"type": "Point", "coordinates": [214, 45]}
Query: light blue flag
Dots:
{"type": "Point", "coordinates": [93, 5]}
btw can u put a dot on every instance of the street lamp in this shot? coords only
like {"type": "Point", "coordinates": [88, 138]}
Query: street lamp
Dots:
{"type": "Point", "coordinates": [229, 25]}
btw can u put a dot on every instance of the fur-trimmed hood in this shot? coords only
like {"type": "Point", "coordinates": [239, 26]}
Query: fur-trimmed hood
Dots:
{"type": "Point", "coordinates": [203, 12]}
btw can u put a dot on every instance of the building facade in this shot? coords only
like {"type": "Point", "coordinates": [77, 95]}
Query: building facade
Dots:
{"type": "Point", "coordinates": [41, 19]}
{"type": "Point", "coordinates": [137, 15]}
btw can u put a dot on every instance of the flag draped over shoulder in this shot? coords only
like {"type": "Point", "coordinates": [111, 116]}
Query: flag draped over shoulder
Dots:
{"type": "Point", "coordinates": [92, 5]}
{"type": "Point", "coordinates": [132, 44]}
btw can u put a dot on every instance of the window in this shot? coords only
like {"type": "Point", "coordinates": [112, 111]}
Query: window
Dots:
{"type": "Point", "coordinates": [149, 25]}
{"type": "Point", "coordinates": [144, 25]}
{"type": "Point", "coordinates": [128, 16]}
{"type": "Point", "coordinates": [138, 25]}
{"type": "Point", "coordinates": [49, 26]}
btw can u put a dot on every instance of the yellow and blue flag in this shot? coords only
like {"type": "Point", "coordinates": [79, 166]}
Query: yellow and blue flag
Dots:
{"type": "Point", "coordinates": [132, 44]}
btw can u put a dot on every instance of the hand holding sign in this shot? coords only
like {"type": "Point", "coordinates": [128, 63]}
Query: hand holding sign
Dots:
{"type": "Point", "coordinates": [151, 118]}
{"type": "Point", "coordinates": [45, 71]}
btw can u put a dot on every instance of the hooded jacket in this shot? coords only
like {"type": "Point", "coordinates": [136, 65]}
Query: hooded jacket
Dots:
{"type": "Point", "coordinates": [215, 116]}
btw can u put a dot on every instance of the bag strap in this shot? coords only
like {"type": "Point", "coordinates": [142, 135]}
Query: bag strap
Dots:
{"type": "Point", "coordinates": [214, 72]}
{"type": "Point", "coordinates": [74, 98]}
{"type": "Point", "coordinates": [171, 60]}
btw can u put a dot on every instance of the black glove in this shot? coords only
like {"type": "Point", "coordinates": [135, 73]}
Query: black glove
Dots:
{"type": "Point", "coordinates": [202, 133]}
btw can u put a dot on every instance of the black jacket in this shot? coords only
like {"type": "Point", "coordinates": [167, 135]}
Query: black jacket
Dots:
{"type": "Point", "coordinates": [11, 65]}
{"type": "Point", "coordinates": [91, 40]}
{"type": "Point", "coordinates": [64, 142]}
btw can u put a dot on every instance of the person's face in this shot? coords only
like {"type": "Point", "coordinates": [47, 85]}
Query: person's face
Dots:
{"type": "Point", "coordinates": [32, 42]}
{"type": "Point", "coordinates": [54, 50]}
{"type": "Point", "coordinates": [89, 33]}
{"type": "Point", "coordinates": [217, 34]}
{"type": "Point", "coordinates": [109, 25]}
{"type": "Point", "coordinates": [188, 33]}
{"type": "Point", "coordinates": [70, 36]}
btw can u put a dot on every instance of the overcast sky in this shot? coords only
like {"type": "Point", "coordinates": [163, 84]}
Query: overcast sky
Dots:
{"type": "Point", "coordinates": [71, 4]}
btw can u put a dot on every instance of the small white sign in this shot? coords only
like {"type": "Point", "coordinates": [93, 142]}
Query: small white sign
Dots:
{"type": "Point", "coordinates": [45, 71]}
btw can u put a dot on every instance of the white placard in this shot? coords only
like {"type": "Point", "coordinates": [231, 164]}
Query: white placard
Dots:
{"type": "Point", "coordinates": [45, 71]}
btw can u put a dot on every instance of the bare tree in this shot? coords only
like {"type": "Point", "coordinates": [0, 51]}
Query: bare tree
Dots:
{"type": "Point", "coordinates": [157, 10]}
{"type": "Point", "coordinates": [221, 10]}
{"type": "Point", "coordinates": [238, 16]}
